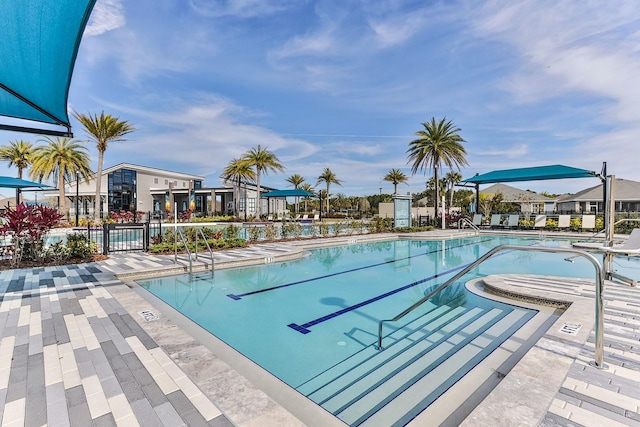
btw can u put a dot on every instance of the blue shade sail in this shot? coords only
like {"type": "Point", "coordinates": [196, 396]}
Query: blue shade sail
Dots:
{"type": "Point", "coordinates": [531, 174]}
{"type": "Point", "coordinates": [288, 193]}
{"type": "Point", "coordinates": [39, 41]}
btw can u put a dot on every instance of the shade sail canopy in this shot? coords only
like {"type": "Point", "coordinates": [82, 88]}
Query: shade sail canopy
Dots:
{"type": "Point", "coordinates": [38, 48]}
{"type": "Point", "coordinates": [9, 182]}
{"type": "Point", "coordinates": [531, 174]}
{"type": "Point", "coordinates": [288, 193]}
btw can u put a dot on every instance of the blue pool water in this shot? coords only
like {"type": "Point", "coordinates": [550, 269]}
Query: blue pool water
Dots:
{"type": "Point", "coordinates": [301, 319]}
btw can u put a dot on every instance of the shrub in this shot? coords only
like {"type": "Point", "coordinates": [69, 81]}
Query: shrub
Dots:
{"type": "Point", "coordinates": [80, 246]}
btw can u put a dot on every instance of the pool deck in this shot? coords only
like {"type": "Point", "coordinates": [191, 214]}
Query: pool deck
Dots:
{"type": "Point", "coordinates": [80, 345]}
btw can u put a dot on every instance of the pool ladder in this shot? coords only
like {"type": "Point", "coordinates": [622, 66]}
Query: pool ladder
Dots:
{"type": "Point", "coordinates": [199, 232]}
{"type": "Point", "coordinates": [599, 347]}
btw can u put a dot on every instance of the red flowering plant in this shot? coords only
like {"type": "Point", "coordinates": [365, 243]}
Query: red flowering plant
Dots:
{"type": "Point", "coordinates": [26, 227]}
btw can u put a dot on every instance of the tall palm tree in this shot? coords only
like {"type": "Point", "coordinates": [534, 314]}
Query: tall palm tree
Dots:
{"type": "Point", "coordinates": [296, 180]}
{"type": "Point", "coordinates": [264, 161]}
{"type": "Point", "coordinates": [395, 176]}
{"type": "Point", "coordinates": [102, 130]}
{"type": "Point", "coordinates": [238, 170]}
{"type": "Point", "coordinates": [309, 189]}
{"type": "Point", "coordinates": [452, 178]}
{"type": "Point", "coordinates": [437, 145]}
{"type": "Point", "coordinates": [328, 178]}
{"type": "Point", "coordinates": [61, 158]}
{"type": "Point", "coordinates": [17, 153]}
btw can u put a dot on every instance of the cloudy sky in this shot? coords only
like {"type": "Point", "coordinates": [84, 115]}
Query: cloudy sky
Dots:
{"type": "Point", "coordinates": [345, 84]}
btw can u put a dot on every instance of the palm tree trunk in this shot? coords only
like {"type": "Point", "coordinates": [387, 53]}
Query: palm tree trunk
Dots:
{"type": "Point", "coordinates": [96, 212]}
{"type": "Point", "coordinates": [435, 191]}
{"type": "Point", "coordinates": [258, 173]}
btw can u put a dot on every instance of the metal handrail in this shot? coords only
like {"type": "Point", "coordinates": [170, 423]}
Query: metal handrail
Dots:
{"type": "Point", "coordinates": [206, 242]}
{"type": "Point", "coordinates": [467, 221]}
{"type": "Point", "coordinates": [599, 347]}
{"type": "Point", "coordinates": [186, 248]}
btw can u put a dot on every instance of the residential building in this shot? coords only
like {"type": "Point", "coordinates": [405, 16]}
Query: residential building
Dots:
{"type": "Point", "coordinates": [529, 201]}
{"type": "Point", "coordinates": [626, 195]}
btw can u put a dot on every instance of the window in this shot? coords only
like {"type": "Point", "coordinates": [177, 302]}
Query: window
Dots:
{"type": "Point", "coordinates": [166, 182]}
{"type": "Point", "coordinates": [155, 180]}
{"type": "Point", "coordinates": [184, 184]}
{"type": "Point", "coordinates": [252, 204]}
{"type": "Point", "coordinates": [197, 184]}
{"type": "Point", "coordinates": [122, 190]}
{"type": "Point", "coordinates": [175, 182]}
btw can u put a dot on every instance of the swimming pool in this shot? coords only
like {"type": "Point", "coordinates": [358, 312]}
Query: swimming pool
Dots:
{"type": "Point", "coordinates": [313, 322]}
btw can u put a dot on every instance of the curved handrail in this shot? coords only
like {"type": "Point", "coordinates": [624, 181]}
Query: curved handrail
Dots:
{"type": "Point", "coordinates": [186, 248]}
{"type": "Point", "coordinates": [599, 347]}
{"type": "Point", "coordinates": [206, 242]}
{"type": "Point", "coordinates": [466, 221]}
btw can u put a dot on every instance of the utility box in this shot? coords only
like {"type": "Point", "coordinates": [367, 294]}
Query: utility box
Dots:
{"type": "Point", "coordinates": [402, 210]}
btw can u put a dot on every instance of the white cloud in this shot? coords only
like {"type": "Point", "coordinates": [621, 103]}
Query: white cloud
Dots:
{"type": "Point", "coordinates": [240, 8]}
{"type": "Point", "coordinates": [107, 15]}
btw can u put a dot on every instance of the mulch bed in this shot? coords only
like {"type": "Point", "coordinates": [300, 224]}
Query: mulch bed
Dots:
{"type": "Point", "coordinates": [5, 264]}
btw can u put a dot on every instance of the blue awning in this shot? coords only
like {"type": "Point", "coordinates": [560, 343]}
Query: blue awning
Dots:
{"type": "Point", "coordinates": [288, 193]}
{"type": "Point", "coordinates": [9, 182]}
{"type": "Point", "coordinates": [531, 174]}
{"type": "Point", "coordinates": [38, 48]}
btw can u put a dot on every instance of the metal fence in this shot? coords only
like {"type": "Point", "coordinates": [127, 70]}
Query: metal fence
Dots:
{"type": "Point", "coordinates": [112, 238]}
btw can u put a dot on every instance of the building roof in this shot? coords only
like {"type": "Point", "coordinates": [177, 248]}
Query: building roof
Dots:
{"type": "Point", "coordinates": [516, 195]}
{"type": "Point", "coordinates": [625, 190]}
{"type": "Point", "coordinates": [148, 169]}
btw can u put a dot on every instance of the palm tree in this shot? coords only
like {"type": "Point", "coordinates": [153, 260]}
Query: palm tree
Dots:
{"type": "Point", "coordinates": [452, 178]}
{"type": "Point", "coordinates": [61, 158]}
{"type": "Point", "coordinates": [238, 170]}
{"type": "Point", "coordinates": [296, 180]}
{"type": "Point", "coordinates": [328, 178]}
{"type": "Point", "coordinates": [395, 176]}
{"type": "Point", "coordinates": [102, 130]}
{"type": "Point", "coordinates": [438, 144]}
{"type": "Point", "coordinates": [17, 153]}
{"type": "Point", "coordinates": [264, 161]}
{"type": "Point", "coordinates": [309, 189]}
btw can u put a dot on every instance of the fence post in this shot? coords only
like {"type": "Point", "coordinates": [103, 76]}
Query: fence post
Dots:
{"type": "Point", "coordinates": [145, 236]}
{"type": "Point", "coordinates": [105, 239]}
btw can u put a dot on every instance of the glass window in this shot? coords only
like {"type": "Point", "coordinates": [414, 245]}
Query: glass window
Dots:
{"type": "Point", "coordinates": [155, 180]}
{"type": "Point", "coordinates": [252, 204]}
{"type": "Point", "coordinates": [197, 184]}
{"type": "Point", "coordinates": [166, 182]}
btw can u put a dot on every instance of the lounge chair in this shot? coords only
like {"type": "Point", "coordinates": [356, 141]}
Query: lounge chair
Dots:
{"type": "Point", "coordinates": [305, 216]}
{"type": "Point", "coordinates": [588, 222]}
{"type": "Point", "coordinates": [270, 217]}
{"type": "Point", "coordinates": [495, 220]}
{"type": "Point", "coordinates": [477, 220]}
{"type": "Point", "coordinates": [564, 221]}
{"type": "Point", "coordinates": [512, 222]}
{"type": "Point", "coordinates": [630, 247]}
{"type": "Point", "coordinates": [540, 221]}
{"type": "Point", "coordinates": [316, 217]}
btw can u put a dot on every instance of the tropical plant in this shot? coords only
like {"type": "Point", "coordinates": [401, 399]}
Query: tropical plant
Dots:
{"type": "Point", "coordinates": [328, 177]}
{"type": "Point", "coordinates": [264, 161]}
{"type": "Point", "coordinates": [62, 159]}
{"type": "Point", "coordinates": [309, 189]}
{"type": "Point", "coordinates": [296, 180]}
{"type": "Point", "coordinates": [238, 170]}
{"type": "Point", "coordinates": [452, 178]}
{"type": "Point", "coordinates": [17, 153]}
{"type": "Point", "coordinates": [27, 228]}
{"type": "Point", "coordinates": [395, 176]}
{"type": "Point", "coordinates": [102, 130]}
{"type": "Point", "coordinates": [437, 144]}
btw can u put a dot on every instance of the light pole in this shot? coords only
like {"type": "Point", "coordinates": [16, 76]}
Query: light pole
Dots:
{"type": "Point", "coordinates": [77, 196]}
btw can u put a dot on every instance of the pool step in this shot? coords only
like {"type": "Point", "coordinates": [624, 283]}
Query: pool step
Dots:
{"type": "Point", "coordinates": [392, 386]}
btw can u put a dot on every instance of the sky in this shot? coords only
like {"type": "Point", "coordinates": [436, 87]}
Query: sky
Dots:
{"type": "Point", "coordinates": [345, 84]}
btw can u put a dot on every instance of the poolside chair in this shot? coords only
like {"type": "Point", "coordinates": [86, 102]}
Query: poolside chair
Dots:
{"type": "Point", "coordinates": [495, 220]}
{"type": "Point", "coordinates": [477, 220]}
{"type": "Point", "coordinates": [630, 247]}
{"type": "Point", "coordinates": [588, 222]}
{"type": "Point", "coordinates": [512, 222]}
{"type": "Point", "coordinates": [316, 217]}
{"type": "Point", "coordinates": [564, 221]}
{"type": "Point", "coordinates": [270, 217]}
{"type": "Point", "coordinates": [305, 217]}
{"type": "Point", "coordinates": [540, 221]}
